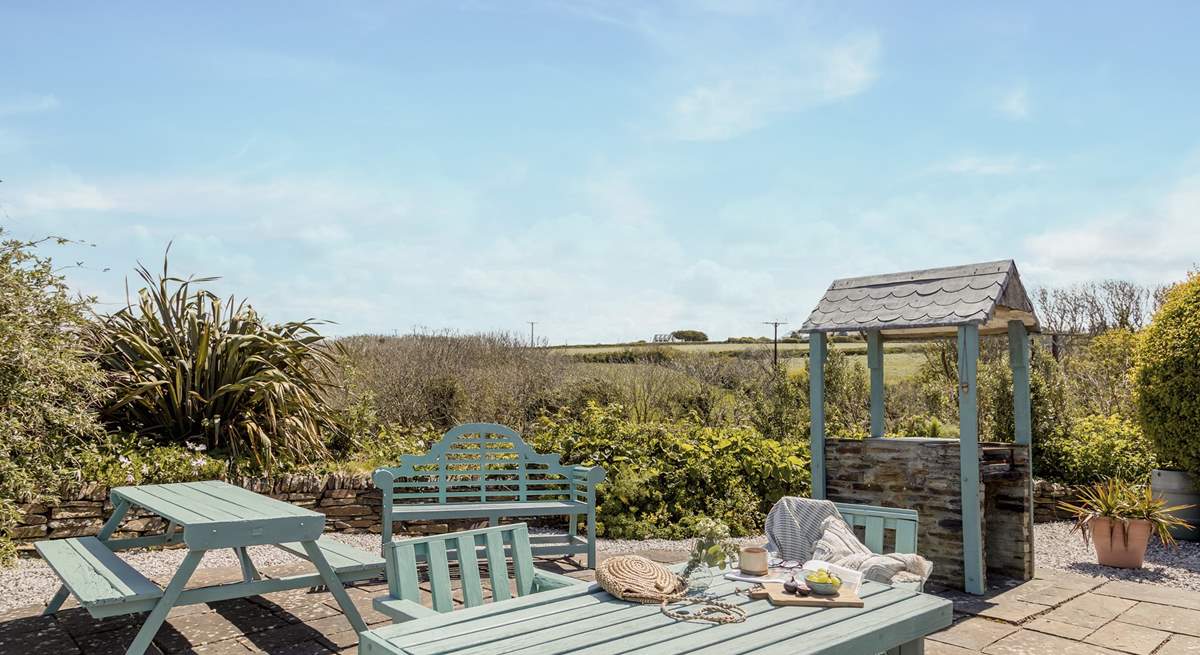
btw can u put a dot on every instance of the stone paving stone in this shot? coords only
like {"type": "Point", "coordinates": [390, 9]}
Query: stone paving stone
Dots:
{"type": "Point", "coordinates": [1090, 610]}
{"type": "Point", "coordinates": [226, 622]}
{"type": "Point", "coordinates": [1128, 638]}
{"type": "Point", "coordinates": [1046, 592]}
{"type": "Point", "coordinates": [365, 604]}
{"type": "Point", "coordinates": [1068, 580]}
{"type": "Point", "coordinates": [114, 642]}
{"type": "Point", "coordinates": [287, 570]}
{"type": "Point", "coordinates": [664, 556]}
{"type": "Point", "coordinates": [1180, 645]}
{"type": "Point", "coordinates": [204, 577]}
{"type": "Point", "coordinates": [1164, 617]}
{"type": "Point", "coordinates": [1152, 594]}
{"type": "Point", "coordinates": [78, 622]}
{"type": "Point", "coordinates": [939, 648]}
{"type": "Point", "coordinates": [335, 630]}
{"type": "Point", "coordinates": [270, 641]}
{"type": "Point", "coordinates": [1059, 629]}
{"type": "Point", "coordinates": [973, 633]}
{"type": "Point", "coordinates": [227, 647]}
{"type": "Point", "coordinates": [36, 635]}
{"type": "Point", "coordinates": [1006, 609]}
{"type": "Point", "coordinates": [1029, 642]}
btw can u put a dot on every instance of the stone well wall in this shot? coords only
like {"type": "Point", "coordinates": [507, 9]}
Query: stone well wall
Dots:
{"type": "Point", "coordinates": [351, 503]}
{"type": "Point", "coordinates": [923, 474]}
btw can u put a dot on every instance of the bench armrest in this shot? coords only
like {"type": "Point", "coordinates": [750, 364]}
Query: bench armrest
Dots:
{"type": "Point", "coordinates": [401, 610]}
{"type": "Point", "coordinates": [545, 580]}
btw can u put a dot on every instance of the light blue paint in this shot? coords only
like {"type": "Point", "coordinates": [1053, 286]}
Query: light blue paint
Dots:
{"type": "Point", "coordinates": [1018, 357]}
{"type": "Point", "coordinates": [875, 365]}
{"type": "Point", "coordinates": [968, 431]}
{"type": "Point", "coordinates": [817, 345]}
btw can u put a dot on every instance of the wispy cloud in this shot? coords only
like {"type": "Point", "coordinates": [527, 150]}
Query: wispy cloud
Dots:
{"type": "Point", "coordinates": [27, 104]}
{"type": "Point", "coordinates": [982, 165]}
{"type": "Point", "coordinates": [1014, 103]}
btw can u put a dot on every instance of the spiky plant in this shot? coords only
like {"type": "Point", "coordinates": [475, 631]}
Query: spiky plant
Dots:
{"type": "Point", "coordinates": [1122, 502]}
{"type": "Point", "coordinates": [189, 368]}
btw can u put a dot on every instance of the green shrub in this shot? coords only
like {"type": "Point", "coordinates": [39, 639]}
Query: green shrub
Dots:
{"type": "Point", "coordinates": [690, 335]}
{"type": "Point", "coordinates": [188, 367]}
{"type": "Point", "coordinates": [1167, 378]}
{"type": "Point", "coordinates": [1096, 448]}
{"type": "Point", "coordinates": [127, 459]}
{"type": "Point", "coordinates": [663, 476]}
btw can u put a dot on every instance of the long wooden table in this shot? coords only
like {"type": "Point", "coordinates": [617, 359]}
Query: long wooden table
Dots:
{"type": "Point", "coordinates": [587, 620]}
{"type": "Point", "coordinates": [204, 516]}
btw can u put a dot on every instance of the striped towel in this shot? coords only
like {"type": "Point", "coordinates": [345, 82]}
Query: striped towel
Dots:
{"type": "Point", "coordinates": [794, 524]}
{"type": "Point", "coordinates": [839, 545]}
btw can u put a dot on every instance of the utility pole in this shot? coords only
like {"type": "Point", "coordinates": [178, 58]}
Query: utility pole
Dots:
{"type": "Point", "coordinates": [531, 324]}
{"type": "Point", "coordinates": [775, 324]}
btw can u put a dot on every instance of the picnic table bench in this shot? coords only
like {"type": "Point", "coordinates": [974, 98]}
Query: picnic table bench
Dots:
{"type": "Point", "coordinates": [487, 471]}
{"type": "Point", "coordinates": [203, 516]}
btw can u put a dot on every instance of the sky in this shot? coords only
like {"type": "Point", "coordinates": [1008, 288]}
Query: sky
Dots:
{"type": "Point", "coordinates": [609, 170]}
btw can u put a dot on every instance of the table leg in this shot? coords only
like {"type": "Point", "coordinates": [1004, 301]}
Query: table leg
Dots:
{"type": "Point", "coordinates": [249, 571]}
{"type": "Point", "coordinates": [106, 531]}
{"type": "Point", "coordinates": [335, 585]}
{"type": "Point", "coordinates": [914, 647]}
{"type": "Point", "coordinates": [157, 615]}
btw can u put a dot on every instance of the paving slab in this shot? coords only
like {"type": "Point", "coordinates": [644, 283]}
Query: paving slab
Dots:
{"type": "Point", "coordinates": [1090, 610]}
{"type": "Point", "coordinates": [1029, 642]}
{"type": "Point", "coordinates": [1128, 638]}
{"type": "Point", "coordinates": [1180, 645]}
{"type": "Point", "coordinates": [1152, 594]}
{"type": "Point", "coordinates": [1059, 629]}
{"type": "Point", "coordinates": [940, 648]}
{"type": "Point", "coordinates": [1164, 617]}
{"type": "Point", "coordinates": [973, 633]}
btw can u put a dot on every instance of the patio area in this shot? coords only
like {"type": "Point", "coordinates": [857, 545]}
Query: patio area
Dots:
{"type": "Point", "coordinates": [1057, 612]}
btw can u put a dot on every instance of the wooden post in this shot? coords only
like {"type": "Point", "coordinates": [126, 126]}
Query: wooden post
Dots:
{"type": "Point", "coordinates": [875, 364]}
{"type": "Point", "coordinates": [968, 435]}
{"type": "Point", "coordinates": [1018, 358]}
{"type": "Point", "coordinates": [816, 404]}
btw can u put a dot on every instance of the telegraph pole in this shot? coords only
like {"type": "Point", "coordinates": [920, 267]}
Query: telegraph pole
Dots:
{"type": "Point", "coordinates": [531, 324]}
{"type": "Point", "coordinates": [775, 324]}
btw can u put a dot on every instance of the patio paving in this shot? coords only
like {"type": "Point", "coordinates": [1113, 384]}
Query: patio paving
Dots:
{"type": "Point", "coordinates": [1057, 613]}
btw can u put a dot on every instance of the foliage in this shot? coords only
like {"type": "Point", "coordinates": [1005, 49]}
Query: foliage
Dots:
{"type": "Point", "coordinates": [1098, 447]}
{"type": "Point", "coordinates": [1099, 381]}
{"type": "Point", "coordinates": [778, 406]}
{"type": "Point", "coordinates": [689, 335]}
{"type": "Point", "coordinates": [713, 547]}
{"type": "Point", "coordinates": [188, 367]}
{"type": "Point", "coordinates": [664, 475]}
{"type": "Point", "coordinates": [1123, 502]}
{"type": "Point", "coordinates": [48, 389]}
{"type": "Point", "coordinates": [1167, 378]}
{"type": "Point", "coordinates": [128, 459]}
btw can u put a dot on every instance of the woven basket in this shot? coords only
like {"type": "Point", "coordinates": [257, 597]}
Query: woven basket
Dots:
{"type": "Point", "coordinates": [637, 579]}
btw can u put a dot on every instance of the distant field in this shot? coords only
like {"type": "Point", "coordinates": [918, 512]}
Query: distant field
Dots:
{"type": "Point", "coordinates": [901, 361]}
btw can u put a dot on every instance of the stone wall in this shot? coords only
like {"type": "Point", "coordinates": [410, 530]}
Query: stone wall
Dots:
{"type": "Point", "coordinates": [923, 474]}
{"type": "Point", "coordinates": [351, 503]}
{"type": "Point", "coordinates": [1046, 496]}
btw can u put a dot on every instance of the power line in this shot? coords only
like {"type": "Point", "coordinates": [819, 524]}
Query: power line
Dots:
{"type": "Point", "coordinates": [775, 324]}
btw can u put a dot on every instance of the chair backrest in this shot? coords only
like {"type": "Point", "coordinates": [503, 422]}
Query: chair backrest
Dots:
{"type": "Point", "coordinates": [480, 462]}
{"type": "Point", "coordinates": [876, 520]}
{"type": "Point", "coordinates": [465, 548]}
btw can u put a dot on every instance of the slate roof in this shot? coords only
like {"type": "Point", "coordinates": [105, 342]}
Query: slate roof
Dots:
{"type": "Point", "coordinates": [931, 298]}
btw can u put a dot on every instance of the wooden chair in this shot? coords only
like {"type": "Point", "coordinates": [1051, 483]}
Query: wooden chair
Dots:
{"type": "Point", "coordinates": [492, 544]}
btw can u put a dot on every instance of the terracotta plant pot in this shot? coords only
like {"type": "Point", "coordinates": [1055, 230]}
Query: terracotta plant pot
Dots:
{"type": "Point", "coordinates": [1112, 546]}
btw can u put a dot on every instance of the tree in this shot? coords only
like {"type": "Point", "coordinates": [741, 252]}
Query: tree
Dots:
{"type": "Point", "coordinates": [689, 335]}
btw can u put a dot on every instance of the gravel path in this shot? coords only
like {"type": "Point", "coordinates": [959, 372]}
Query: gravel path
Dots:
{"type": "Point", "coordinates": [31, 582]}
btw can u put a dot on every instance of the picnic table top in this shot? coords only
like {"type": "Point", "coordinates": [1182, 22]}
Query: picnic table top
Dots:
{"type": "Point", "coordinates": [585, 619]}
{"type": "Point", "coordinates": [218, 514]}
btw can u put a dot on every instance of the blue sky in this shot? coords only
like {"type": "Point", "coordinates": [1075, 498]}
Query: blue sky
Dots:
{"type": "Point", "coordinates": [609, 170]}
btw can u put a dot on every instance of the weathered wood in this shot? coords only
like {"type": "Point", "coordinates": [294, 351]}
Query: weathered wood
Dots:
{"type": "Point", "coordinates": [485, 470]}
{"type": "Point", "coordinates": [875, 365]}
{"type": "Point", "coordinates": [95, 574]}
{"type": "Point", "coordinates": [816, 398]}
{"type": "Point", "coordinates": [968, 435]}
{"type": "Point", "coordinates": [1018, 357]}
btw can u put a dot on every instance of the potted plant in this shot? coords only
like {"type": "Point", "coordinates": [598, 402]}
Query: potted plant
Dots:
{"type": "Point", "coordinates": [1118, 518]}
{"type": "Point", "coordinates": [714, 551]}
{"type": "Point", "coordinates": [1166, 387]}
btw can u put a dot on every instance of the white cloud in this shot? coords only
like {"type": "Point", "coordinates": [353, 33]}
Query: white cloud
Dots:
{"type": "Point", "coordinates": [1153, 245]}
{"type": "Point", "coordinates": [982, 165]}
{"type": "Point", "coordinates": [27, 104]}
{"type": "Point", "coordinates": [1014, 103]}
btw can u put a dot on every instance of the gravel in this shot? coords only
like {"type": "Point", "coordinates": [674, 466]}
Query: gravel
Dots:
{"type": "Point", "coordinates": [31, 581]}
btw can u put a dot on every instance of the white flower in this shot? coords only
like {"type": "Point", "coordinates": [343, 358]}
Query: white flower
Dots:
{"type": "Point", "coordinates": [123, 460]}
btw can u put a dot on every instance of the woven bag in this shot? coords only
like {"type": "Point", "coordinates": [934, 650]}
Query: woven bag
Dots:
{"type": "Point", "coordinates": [637, 579]}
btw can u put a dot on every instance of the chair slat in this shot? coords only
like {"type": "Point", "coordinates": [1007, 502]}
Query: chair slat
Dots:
{"type": "Point", "coordinates": [439, 576]}
{"type": "Point", "coordinates": [906, 537]}
{"type": "Point", "coordinates": [497, 566]}
{"type": "Point", "coordinates": [402, 573]}
{"type": "Point", "coordinates": [468, 566]}
{"type": "Point", "coordinates": [874, 525]}
{"type": "Point", "coordinates": [522, 560]}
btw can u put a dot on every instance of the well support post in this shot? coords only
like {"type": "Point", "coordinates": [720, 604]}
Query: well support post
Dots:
{"type": "Point", "coordinates": [968, 434]}
{"type": "Point", "coordinates": [816, 400]}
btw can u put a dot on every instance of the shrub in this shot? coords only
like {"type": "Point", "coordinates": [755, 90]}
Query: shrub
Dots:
{"type": "Point", "coordinates": [187, 367]}
{"type": "Point", "coordinates": [1100, 380]}
{"type": "Point", "coordinates": [1096, 448]}
{"type": "Point", "coordinates": [48, 390]}
{"type": "Point", "coordinates": [1167, 378]}
{"type": "Point", "coordinates": [664, 476]}
{"type": "Point", "coordinates": [128, 459]}
{"type": "Point", "coordinates": [689, 335]}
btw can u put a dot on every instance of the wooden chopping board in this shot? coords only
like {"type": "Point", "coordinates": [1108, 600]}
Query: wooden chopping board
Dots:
{"type": "Point", "coordinates": [773, 591]}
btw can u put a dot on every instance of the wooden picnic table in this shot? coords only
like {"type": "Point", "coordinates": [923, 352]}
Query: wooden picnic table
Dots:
{"type": "Point", "coordinates": [584, 619]}
{"type": "Point", "coordinates": [203, 516]}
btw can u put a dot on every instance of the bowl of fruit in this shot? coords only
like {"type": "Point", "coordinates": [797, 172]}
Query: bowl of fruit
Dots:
{"type": "Point", "coordinates": [823, 583]}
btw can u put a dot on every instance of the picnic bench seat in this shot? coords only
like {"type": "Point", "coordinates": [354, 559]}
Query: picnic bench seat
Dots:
{"type": "Point", "coordinates": [487, 471]}
{"type": "Point", "coordinates": [102, 582]}
{"type": "Point", "coordinates": [348, 562]}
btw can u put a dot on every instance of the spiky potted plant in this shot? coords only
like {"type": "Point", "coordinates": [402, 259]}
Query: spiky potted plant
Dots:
{"type": "Point", "coordinates": [1118, 518]}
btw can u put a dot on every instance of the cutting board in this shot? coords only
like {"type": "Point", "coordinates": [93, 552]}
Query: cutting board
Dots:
{"type": "Point", "coordinates": [774, 592]}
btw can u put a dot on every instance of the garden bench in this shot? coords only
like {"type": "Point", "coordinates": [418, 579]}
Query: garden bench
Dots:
{"type": "Point", "coordinates": [486, 471]}
{"type": "Point", "coordinates": [876, 522]}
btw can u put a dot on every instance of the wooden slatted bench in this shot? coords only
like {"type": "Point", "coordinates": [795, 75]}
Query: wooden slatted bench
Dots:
{"type": "Point", "coordinates": [486, 471]}
{"type": "Point", "coordinates": [104, 584]}
{"type": "Point", "coordinates": [876, 522]}
{"type": "Point", "coordinates": [348, 562]}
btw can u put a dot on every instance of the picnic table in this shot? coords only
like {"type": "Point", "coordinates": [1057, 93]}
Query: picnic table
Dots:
{"type": "Point", "coordinates": [203, 516]}
{"type": "Point", "coordinates": [584, 619]}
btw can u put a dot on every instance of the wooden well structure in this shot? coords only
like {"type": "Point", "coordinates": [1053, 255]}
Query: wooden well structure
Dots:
{"type": "Point", "coordinates": [962, 302]}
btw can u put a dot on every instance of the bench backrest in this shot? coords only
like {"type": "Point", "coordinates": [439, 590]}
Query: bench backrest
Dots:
{"type": "Point", "coordinates": [875, 521]}
{"type": "Point", "coordinates": [479, 463]}
{"type": "Point", "coordinates": [464, 547]}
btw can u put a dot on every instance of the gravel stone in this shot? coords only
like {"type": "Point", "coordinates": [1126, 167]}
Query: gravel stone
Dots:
{"type": "Point", "coordinates": [1056, 548]}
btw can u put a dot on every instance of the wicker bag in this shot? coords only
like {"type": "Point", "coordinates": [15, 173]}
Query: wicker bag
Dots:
{"type": "Point", "coordinates": [637, 579]}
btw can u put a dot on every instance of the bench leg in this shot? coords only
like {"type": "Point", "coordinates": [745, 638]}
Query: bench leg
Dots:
{"type": "Point", "coordinates": [157, 615]}
{"type": "Point", "coordinates": [249, 571]}
{"type": "Point", "coordinates": [335, 585]}
{"type": "Point", "coordinates": [591, 538]}
{"type": "Point", "coordinates": [106, 531]}
{"type": "Point", "coordinates": [914, 647]}
{"type": "Point", "coordinates": [572, 531]}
